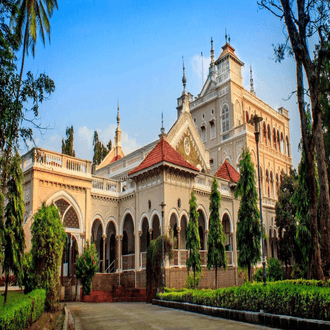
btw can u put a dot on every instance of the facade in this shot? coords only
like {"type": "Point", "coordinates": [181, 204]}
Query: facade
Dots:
{"type": "Point", "coordinates": [119, 207]}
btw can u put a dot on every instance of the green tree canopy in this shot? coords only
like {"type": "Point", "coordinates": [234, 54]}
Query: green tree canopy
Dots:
{"type": "Point", "coordinates": [48, 238]}
{"type": "Point", "coordinates": [100, 150]}
{"type": "Point", "coordinates": [13, 235]}
{"type": "Point", "coordinates": [67, 144]}
{"type": "Point", "coordinates": [285, 218]}
{"type": "Point", "coordinates": [248, 233]}
{"type": "Point", "coordinates": [216, 253]}
{"type": "Point", "coordinates": [193, 242]}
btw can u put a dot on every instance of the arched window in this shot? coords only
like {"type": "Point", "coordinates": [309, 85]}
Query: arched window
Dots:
{"type": "Point", "coordinates": [282, 143]}
{"type": "Point", "coordinates": [278, 141]}
{"type": "Point", "coordinates": [271, 183]}
{"type": "Point", "coordinates": [274, 139]}
{"type": "Point", "coordinates": [277, 183]}
{"type": "Point", "coordinates": [287, 147]}
{"type": "Point", "coordinates": [246, 116]}
{"type": "Point", "coordinates": [264, 133]}
{"type": "Point", "coordinates": [225, 119]}
{"type": "Point", "coordinates": [261, 181]}
{"type": "Point", "coordinates": [267, 184]}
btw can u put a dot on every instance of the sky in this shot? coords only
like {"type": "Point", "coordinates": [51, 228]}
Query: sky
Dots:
{"type": "Point", "coordinates": [102, 52]}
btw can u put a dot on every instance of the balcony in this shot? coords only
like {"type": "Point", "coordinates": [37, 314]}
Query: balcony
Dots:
{"type": "Point", "coordinates": [53, 161]}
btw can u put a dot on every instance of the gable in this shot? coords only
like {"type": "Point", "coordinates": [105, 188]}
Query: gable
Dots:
{"type": "Point", "coordinates": [187, 149]}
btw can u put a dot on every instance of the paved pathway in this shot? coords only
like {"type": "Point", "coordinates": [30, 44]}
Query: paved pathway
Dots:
{"type": "Point", "coordinates": [97, 316]}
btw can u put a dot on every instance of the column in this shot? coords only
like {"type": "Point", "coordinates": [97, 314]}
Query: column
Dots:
{"type": "Point", "coordinates": [117, 262]}
{"type": "Point", "coordinates": [103, 263]}
{"type": "Point", "coordinates": [150, 234]}
{"type": "Point", "coordinates": [179, 245]}
{"type": "Point", "coordinates": [139, 251]}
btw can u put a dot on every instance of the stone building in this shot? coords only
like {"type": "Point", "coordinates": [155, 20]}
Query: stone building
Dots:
{"type": "Point", "coordinates": [120, 206]}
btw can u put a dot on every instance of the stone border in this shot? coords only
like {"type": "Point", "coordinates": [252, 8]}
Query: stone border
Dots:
{"type": "Point", "coordinates": [271, 320]}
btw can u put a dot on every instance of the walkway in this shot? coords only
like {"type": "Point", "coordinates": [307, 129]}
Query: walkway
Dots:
{"type": "Point", "coordinates": [98, 316]}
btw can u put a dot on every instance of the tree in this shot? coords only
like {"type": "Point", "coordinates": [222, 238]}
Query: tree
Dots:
{"type": "Point", "coordinates": [285, 217]}
{"type": "Point", "coordinates": [216, 254]}
{"type": "Point", "coordinates": [248, 233]}
{"type": "Point", "coordinates": [100, 150]}
{"type": "Point", "coordinates": [30, 16]}
{"type": "Point", "coordinates": [48, 238]}
{"type": "Point", "coordinates": [304, 20]}
{"type": "Point", "coordinates": [13, 240]}
{"type": "Point", "coordinates": [86, 267]}
{"type": "Point", "coordinates": [67, 144]}
{"type": "Point", "coordinates": [194, 260]}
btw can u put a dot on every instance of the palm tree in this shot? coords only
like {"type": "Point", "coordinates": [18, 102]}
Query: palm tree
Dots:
{"type": "Point", "coordinates": [31, 15]}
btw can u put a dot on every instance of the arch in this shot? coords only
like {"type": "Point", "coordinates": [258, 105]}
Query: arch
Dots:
{"type": "Point", "coordinates": [278, 141]}
{"type": "Point", "coordinates": [62, 194]}
{"type": "Point", "coordinates": [128, 243]}
{"type": "Point", "coordinates": [70, 253]}
{"type": "Point", "coordinates": [145, 237]}
{"type": "Point", "coordinates": [201, 208]}
{"type": "Point", "coordinates": [127, 211]}
{"type": "Point", "coordinates": [264, 132]}
{"type": "Point", "coordinates": [183, 233]}
{"type": "Point", "coordinates": [155, 225]}
{"type": "Point", "coordinates": [144, 215]}
{"type": "Point", "coordinates": [202, 225]}
{"type": "Point", "coordinates": [246, 116]}
{"type": "Point", "coordinates": [238, 113]}
{"type": "Point", "coordinates": [99, 217]}
{"type": "Point", "coordinates": [225, 220]}
{"type": "Point", "coordinates": [153, 213]}
{"type": "Point", "coordinates": [224, 118]}
{"type": "Point", "coordinates": [226, 211]}
{"type": "Point", "coordinates": [287, 146]}
{"type": "Point", "coordinates": [274, 139]}
{"type": "Point", "coordinates": [269, 136]}
{"type": "Point", "coordinates": [174, 224]}
{"type": "Point", "coordinates": [111, 219]}
{"type": "Point", "coordinates": [174, 211]}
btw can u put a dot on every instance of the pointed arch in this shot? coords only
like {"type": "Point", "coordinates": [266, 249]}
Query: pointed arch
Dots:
{"type": "Point", "coordinates": [127, 211]}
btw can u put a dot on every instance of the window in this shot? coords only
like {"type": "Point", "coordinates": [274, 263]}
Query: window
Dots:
{"type": "Point", "coordinates": [211, 162]}
{"type": "Point", "coordinates": [225, 119]}
{"type": "Point", "coordinates": [212, 130]}
{"type": "Point", "coordinates": [203, 133]}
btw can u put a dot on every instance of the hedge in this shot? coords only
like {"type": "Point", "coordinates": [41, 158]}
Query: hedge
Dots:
{"type": "Point", "coordinates": [24, 311]}
{"type": "Point", "coordinates": [296, 298]}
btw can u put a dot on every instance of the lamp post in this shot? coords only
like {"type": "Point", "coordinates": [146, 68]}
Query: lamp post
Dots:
{"type": "Point", "coordinates": [256, 122]}
{"type": "Point", "coordinates": [163, 258]}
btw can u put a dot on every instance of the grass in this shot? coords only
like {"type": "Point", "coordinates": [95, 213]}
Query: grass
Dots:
{"type": "Point", "coordinates": [11, 297]}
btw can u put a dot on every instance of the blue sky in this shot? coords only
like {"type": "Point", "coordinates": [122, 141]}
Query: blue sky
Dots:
{"type": "Point", "coordinates": [131, 51]}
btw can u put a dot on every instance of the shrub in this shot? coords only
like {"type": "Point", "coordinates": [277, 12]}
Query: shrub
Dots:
{"type": "Point", "coordinates": [86, 267]}
{"type": "Point", "coordinates": [28, 271]}
{"type": "Point", "coordinates": [190, 279]}
{"type": "Point", "coordinates": [296, 272]}
{"type": "Point", "coordinates": [23, 311]}
{"type": "Point", "coordinates": [306, 299]}
{"type": "Point", "coordinates": [38, 297]}
{"type": "Point", "coordinates": [274, 269]}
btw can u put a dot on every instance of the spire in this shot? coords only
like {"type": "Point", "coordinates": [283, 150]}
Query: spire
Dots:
{"type": "Point", "coordinates": [118, 116]}
{"type": "Point", "coordinates": [252, 91]}
{"type": "Point", "coordinates": [162, 130]}
{"type": "Point", "coordinates": [184, 79]}
{"type": "Point", "coordinates": [226, 34]}
{"type": "Point", "coordinates": [212, 51]}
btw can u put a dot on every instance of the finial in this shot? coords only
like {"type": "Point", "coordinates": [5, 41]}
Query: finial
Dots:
{"type": "Point", "coordinates": [184, 79]}
{"type": "Point", "coordinates": [162, 130]}
{"type": "Point", "coordinates": [226, 35]}
{"type": "Point", "coordinates": [212, 51]}
{"type": "Point", "coordinates": [118, 116]}
{"type": "Point", "coordinates": [252, 91]}
{"type": "Point", "coordinates": [229, 38]}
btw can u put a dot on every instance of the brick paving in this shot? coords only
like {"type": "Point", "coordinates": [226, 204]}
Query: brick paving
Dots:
{"type": "Point", "coordinates": [98, 316]}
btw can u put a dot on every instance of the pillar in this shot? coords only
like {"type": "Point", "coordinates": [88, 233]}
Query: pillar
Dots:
{"type": "Point", "coordinates": [139, 265]}
{"type": "Point", "coordinates": [150, 234]}
{"type": "Point", "coordinates": [103, 263]}
{"type": "Point", "coordinates": [179, 245]}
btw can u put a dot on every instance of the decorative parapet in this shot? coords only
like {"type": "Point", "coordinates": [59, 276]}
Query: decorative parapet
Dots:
{"type": "Point", "coordinates": [53, 161]}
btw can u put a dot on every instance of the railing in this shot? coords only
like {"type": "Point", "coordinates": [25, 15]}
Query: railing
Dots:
{"type": "Point", "coordinates": [203, 254]}
{"type": "Point", "coordinates": [104, 184]}
{"type": "Point", "coordinates": [111, 267]}
{"type": "Point", "coordinates": [184, 257]}
{"type": "Point", "coordinates": [128, 262]}
{"type": "Point", "coordinates": [56, 162]}
{"type": "Point", "coordinates": [175, 260]}
{"type": "Point", "coordinates": [143, 260]}
{"type": "Point", "coordinates": [229, 256]}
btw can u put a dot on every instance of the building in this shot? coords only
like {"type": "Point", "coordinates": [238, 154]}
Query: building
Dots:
{"type": "Point", "coordinates": [119, 206]}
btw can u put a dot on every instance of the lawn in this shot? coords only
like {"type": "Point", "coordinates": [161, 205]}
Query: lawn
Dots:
{"type": "Point", "coordinates": [11, 297]}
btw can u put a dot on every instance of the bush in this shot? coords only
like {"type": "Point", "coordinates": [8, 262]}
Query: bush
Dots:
{"type": "Point", "coordinates": [28, 271]}
{"type": "Point", "coordinates": [86, 267]}
{"type": "Point", "coordinates": [296, 272]}
{"type": "Point", "coordinates": [273, 271]}
{"type": "Point", "coordinates": [23, 311]}
{"type": "Point", "coordinates": [190, 279]}
{"type": "Point", "coordinates": [12, 280]}
{"type": "Point", "coordinates": [38, 297]}
{"type": "Point", "coordinates": [306, 299]}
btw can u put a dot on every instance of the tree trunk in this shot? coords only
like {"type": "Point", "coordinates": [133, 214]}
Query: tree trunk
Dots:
{"type": "Point", "coordinates": [308, 145]}
{"type": "Point", "coordinates": [216, 277]}
{"type": "Point", "coordinates": [6, 288]}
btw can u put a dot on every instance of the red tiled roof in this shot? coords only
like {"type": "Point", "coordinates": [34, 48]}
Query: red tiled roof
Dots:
{"type": "Point", "coordinates": [115, 158]}
{"type": "Point", "coordinates": [163, 152]}
{"type": "Point", "coordinates": [227, 172]}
